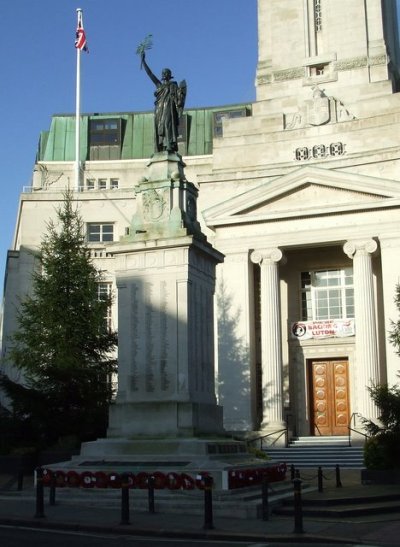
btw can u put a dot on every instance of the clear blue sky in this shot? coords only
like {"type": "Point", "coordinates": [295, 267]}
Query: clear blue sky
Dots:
{"type": "Point", "coordinates": [210, 43]}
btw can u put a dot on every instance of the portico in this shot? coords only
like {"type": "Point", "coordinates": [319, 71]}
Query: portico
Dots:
{"type": "Point", "coordinates": [315, 276]}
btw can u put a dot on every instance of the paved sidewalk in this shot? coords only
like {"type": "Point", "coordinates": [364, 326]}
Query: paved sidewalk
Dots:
{"type": "Point", "coordinates": [18, 508]}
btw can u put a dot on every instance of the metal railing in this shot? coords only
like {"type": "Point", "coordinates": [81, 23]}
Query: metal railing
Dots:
{"type": "Point", "coordinates": [279, 432]}
{"type": "Point", "coordinates": [350, 429]}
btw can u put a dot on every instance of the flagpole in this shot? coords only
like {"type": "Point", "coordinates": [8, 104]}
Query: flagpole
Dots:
{"type": "Point", "coordinates": [78, 110]}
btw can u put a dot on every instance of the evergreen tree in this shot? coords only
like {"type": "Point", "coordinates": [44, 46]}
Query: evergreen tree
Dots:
{"type": "Point", "coordinates": [394, 335]}
{"type": "Point", "coordinates": [62, 344]}
{"type": "Point", "coordinates": [382, 449]}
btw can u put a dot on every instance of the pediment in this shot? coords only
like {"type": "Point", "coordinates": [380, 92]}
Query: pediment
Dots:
{"type": "Point", "coordinates": [305, 192]}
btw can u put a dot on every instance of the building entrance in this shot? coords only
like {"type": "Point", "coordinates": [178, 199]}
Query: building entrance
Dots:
{"type": "Point", "coordinates": [329, 397]}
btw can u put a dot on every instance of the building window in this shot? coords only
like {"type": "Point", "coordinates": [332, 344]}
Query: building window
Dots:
{"type": "Point", "coordinates": [318, 15]}
{"type": "Point", "coordinates": [327, 294]}
{"type": "Point", "coordinates": [100, 232]}
{"type": "Point", "coordinates": [104, 291]}
{"type": "Point", "coordinates": [226, 114]}
{"type": "Point", "coordinates": [114, 183]}
{"type": "Point", "coordinates": [105, 132]}
{"type": "Point", "coordinates": [318, 70]}
{"type": "Point", "coordinates": [90, 184]}
{"type": "Point", "coordinates": [102, 184]}
{"type": "Point", "coordinates": [105, 138]}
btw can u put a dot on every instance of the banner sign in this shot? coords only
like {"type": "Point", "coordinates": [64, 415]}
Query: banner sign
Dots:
{"type": "Point", "coordinates": [339, 328]}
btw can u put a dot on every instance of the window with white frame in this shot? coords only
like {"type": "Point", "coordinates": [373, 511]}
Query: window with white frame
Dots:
{"type": "Point", "coordinates": [99, 232]}
{"type": "Point", "coordinates": [101, 184]}
{"type": "Point", "coordinates": [327, 294]}
{"type": "Point", "coordinates": [104, 291]}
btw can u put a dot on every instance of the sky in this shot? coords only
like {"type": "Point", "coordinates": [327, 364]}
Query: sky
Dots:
{"type": "Point", "coordinates": [212, 44]}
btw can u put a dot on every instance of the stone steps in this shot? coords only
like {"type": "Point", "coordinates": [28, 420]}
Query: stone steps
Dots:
{"type": "Point", "coordinates": [319, 452]}
{"type": "Point", "coordinates": [337, 508]}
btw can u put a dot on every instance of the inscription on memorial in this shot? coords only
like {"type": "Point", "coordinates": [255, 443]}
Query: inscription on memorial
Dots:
{"type": "Point", "coordinates": [149, 338]}
{"type": "Point", "coordinates": [134, 337]}
{"type": "Point", "coordinates": [164, 380]}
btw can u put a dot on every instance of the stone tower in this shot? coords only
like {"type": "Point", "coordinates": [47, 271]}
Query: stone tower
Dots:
{"type": "Point", "coordinates": [341, 46]}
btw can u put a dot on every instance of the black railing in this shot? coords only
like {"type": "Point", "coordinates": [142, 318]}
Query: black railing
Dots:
{"type": "Point", "coordinates": [350, 429]}
{"type": "Point", "coordinates": [279, 432]}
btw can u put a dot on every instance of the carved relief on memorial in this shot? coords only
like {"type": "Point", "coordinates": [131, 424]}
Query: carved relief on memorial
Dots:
{"type": "Point", "coordinates": [319, 110]}
{"type": "Point", "coordinates": [153, 205]}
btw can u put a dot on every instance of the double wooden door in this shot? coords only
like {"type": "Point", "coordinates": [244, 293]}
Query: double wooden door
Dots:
{"type": "Point", "coordinates": [329, 394]}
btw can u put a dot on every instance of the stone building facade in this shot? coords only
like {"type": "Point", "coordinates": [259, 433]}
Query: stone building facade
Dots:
{"type": "Point", "coordinates": [299, 190]}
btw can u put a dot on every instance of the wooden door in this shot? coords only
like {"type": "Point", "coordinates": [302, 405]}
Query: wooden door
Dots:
{"type": "Point", "coordinates": [329, 397]}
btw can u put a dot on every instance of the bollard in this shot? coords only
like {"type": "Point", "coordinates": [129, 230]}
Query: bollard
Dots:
{"type": "Point", "coordinates": [39, 494]}
{"type": "Point", "coordinates": [297, 474]}
{"type": "Point", "coordinates": [264, 498]}
{"type": "Point", "coordinates": [150, 485]}
{"type": "Point", "coordinates": [20, 480]}
{"type": "Point", "coordinates": [52, 489]}
{"type": "Point", "coordinates": [208, 509]}
{"type": "Point", "coordinates": [320, 477]}
{"type": "Point", "coordinates": [125, 499]}
{"type": "Point", "coordinates": [338, 481]}
{"type": "Point", "coordinates": [298, 510]}
{"type": "Point", "coordinates": [292, 472]}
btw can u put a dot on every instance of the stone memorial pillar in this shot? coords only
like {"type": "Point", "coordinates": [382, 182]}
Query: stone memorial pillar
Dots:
{"type": "Point", "coordinates": [166, 281]}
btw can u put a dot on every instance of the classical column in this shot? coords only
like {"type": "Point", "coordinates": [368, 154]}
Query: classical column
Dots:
{"type": "Point", "coordinates": [271, 336]}
{"type": "Point", "coordinates": [366, 333]}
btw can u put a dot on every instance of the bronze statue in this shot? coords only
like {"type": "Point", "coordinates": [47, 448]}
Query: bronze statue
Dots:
{"type": "Point", "coordinates": [169, 103]}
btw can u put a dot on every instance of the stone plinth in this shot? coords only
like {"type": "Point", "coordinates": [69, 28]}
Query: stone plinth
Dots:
{"type": "Point", "coordinates": [166, 339]}
{"type": "Point", "coordinates": [226, 460]}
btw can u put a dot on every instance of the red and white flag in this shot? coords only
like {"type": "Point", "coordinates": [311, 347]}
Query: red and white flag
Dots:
{"type": "Point", "coordinates": [80, 40]}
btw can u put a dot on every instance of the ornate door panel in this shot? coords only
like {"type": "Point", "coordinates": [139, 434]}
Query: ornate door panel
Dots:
{"type": "Point", "coordinates": [329, 397]}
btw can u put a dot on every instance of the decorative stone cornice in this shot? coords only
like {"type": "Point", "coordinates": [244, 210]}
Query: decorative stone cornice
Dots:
{"type": "Point", "coordinates": [378, 60]}
{"type": "Point", "coordinates": [299, 72]}
{"type": "Point", "coordinates": [289, 74]}
{"type": "Point", "coordinates": [349, 64]}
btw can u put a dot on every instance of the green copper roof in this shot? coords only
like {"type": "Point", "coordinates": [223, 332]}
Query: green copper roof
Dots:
{"type": "Point", "coordinates": [137, 133]}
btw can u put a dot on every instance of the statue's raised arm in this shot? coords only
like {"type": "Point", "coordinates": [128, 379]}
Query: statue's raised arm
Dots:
{"type": "Point", "coordinates": [152, 76]}
{"type": "Point", "coordinates": [169, 103]}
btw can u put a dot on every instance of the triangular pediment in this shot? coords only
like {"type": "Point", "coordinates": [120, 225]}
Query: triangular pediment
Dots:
{"type": "Point", "coordinates": [307, 191]}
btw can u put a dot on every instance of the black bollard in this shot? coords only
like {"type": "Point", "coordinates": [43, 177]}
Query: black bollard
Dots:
{"type": "Point", "coordinates": [338, 481]}
{"type": "Point", "coordinates": [298, 509]}
{"type": "Point", "coordinates": [292, 472]}
{"type": "Point", "coordinates": [125, 499]}
{"type": "Point", "coordinates": [320, 482]}
{"type": "Point", "coordinates": [264, 498]}
{"type": "Point", "coordinates": [39, 494]}
{"type": "Point", "coordinates": [208, 509]}
{"type": "Point", "coordinates": [20, 480]}
{"type": "Point", "coordinates": [150, 486]}
{"type": "Point", "coordinates": [52, 489]}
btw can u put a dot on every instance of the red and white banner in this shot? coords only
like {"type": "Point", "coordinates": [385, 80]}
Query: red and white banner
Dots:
{"type": "Point", "coordinates": [339, 328]}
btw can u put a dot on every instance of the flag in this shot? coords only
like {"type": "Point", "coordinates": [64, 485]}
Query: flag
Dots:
{"type": "Point", "coordinates": [80, 40]}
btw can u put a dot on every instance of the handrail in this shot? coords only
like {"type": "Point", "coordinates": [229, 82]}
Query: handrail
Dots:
{"type": "Point", "coordinates": [261, 437]}
{"type": "Point", "coordinates": [350, 429]}
{"type": "Point", "coordinates": [319, 432]}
